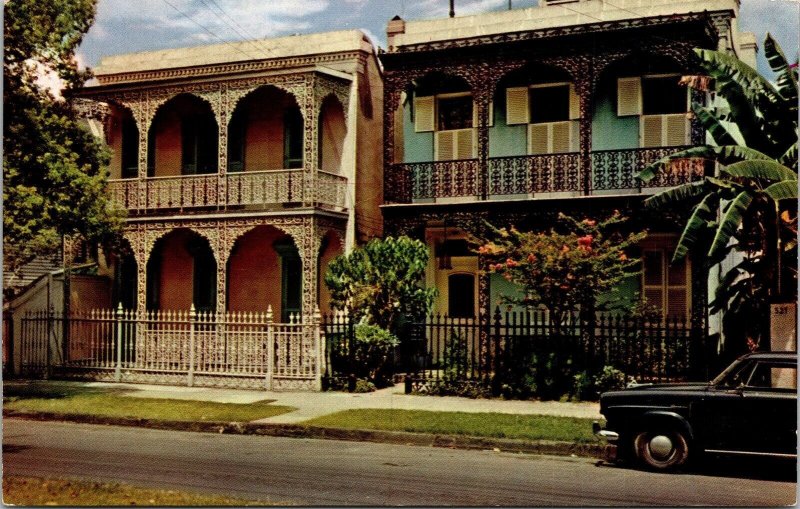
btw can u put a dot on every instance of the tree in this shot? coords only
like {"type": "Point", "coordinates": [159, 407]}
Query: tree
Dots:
{"type": "Point", "coordinates": [54, 171]}
{"type": "Point", "coordinates": [382, 281]}
{"type": "Point", "coordinates": [567, 270]}
{"type": "Point", "coordinates": [754, 128]}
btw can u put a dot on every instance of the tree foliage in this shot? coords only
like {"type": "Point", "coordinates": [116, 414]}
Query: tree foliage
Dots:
{"type": "Point", "coordinates": [382, 281]}
{"type": "Point", "coordinates": [53, 169]}
{"type": "Point", "coordinates": [754, 125]}
{"type": "Point", "coordinates": [565, 270]}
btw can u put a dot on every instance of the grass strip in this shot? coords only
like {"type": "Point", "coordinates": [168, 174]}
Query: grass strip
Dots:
{"type": "Point", "coordinates": [71, 400]}
{"type": "Point", "coordinates": [491, 425]}
{"type": "Point", "coordinates": [35, 491]}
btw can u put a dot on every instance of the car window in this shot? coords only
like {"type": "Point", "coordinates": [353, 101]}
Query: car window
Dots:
{"type": "Point", "coordinates": [773, 376]}
{"type": "Point", "coordinates": [735, 375]}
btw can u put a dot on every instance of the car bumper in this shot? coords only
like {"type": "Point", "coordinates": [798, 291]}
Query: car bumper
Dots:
{"type": "Point", "coordinates": [610, 436]}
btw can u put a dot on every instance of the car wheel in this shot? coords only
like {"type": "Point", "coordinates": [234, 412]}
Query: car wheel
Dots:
{"type": "Point", "coordinates": [662, 449]}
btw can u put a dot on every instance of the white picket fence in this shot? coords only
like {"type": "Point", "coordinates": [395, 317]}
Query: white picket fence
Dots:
{"type": "Point", "coordinates": [234, 349]}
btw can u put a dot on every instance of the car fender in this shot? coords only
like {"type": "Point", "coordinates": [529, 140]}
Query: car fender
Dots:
{"type": "Point", "coordinates": [669, 418]}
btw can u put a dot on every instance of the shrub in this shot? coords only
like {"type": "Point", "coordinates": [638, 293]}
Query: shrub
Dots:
{"type": "Point", "coordinates": [610, 379]}
{"type": "Point", "coordinates": [583, 387]}
{"type": "Point", "coordinates": [373, 350]}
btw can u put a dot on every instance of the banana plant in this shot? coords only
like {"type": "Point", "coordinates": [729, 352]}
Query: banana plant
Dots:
{"type": "Point", "coordinates": [754, 133]}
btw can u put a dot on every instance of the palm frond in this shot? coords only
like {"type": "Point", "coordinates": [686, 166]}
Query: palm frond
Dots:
{"type": "Point", "coordinates": [760, 169]}
{"type": "Point", "coordinates": [698, 222]}
{"type": "Point", "coordinates": [787, 81]}
{"type": "Point", "coordinates": [729, 224]}
{"type": "Point", "coordinates": [784, 190]}
{"type": "Point", "coordinates": [713, 126]}
{"type": "Point", "coordinates": [677, 194]}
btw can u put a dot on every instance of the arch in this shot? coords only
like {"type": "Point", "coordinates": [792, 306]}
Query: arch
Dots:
{"type": "Point", "coordinates": [181, 271]}
{"type": "Point", "coordinates": [266, 131]}
{"type": "Point", "coordinates": [332, 131]}
{"type": "Point", "coordinates": [183, 137]}
{"type": "Point", "coordinates": [122, 137]}
{"type": "Point", "coordinates": [264, 270]}
{"type": "Point", "coordinates": [126, 274]}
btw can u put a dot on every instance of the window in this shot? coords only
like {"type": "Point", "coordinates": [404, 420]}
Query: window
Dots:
{"type": "Point", "coordinates": [454, 113]}
{"type": "Point", "coordinates": [551, 111]}
{"type": "Point", "coordinates": [663, 95]}
{"type": "Point", "coordinates": [130, 148]}
{"type": "Point", "coordinates": [549, 104]}
{"type": "Point", "coordinates": [199, 144]}
{"type": "Point", "coordinates": [293, 138]}
{"type": "Point", "coordinates": [461, 295]}
{"type": "Point", "coordinates": [773, 376]}
{"type": "Point", "coordinates": [665, 285]}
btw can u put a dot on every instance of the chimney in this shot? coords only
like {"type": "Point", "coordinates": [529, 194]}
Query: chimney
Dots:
{"type": "Point", "coordinates": [748, 48]}
{"type": "Point", "coordinates": [396, 25]}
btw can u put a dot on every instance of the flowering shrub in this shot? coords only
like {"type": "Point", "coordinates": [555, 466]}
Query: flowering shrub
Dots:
{"type": "Point", "coordinates": [564, 270]}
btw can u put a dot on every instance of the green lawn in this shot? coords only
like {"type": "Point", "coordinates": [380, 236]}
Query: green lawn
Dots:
{"type": "Point", "coordinates": [76, 400]}
{"type": "Point", "coordinates": [34, 491]}
{"type": "Point", "coordinates": [527, 427]}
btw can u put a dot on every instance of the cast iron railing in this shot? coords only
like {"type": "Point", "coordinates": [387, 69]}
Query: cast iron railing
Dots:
{"type": "Point", "coordinates": [617, 169]}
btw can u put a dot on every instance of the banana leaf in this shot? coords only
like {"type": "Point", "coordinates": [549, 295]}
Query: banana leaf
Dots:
{"type": "Point", "coordinates": [760, 169]}
{"type": "Point", "coordinates": [729, 223]}
{"type": "Point", "coordinates": [787, 81]}
{"type": "Point", "coordinates": [784, 190]}
{"type": "Point", "coordinates": [703, 213]}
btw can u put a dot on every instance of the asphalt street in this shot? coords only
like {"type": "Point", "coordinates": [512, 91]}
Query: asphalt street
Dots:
{"type": "Point", "coordinates": [326, 472]}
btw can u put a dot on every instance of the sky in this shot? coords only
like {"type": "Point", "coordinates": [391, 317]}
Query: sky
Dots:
{"type": "Point", "coordinates": [126, 26]}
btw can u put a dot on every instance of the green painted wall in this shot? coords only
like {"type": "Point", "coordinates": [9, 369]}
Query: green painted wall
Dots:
{"type": "Point", "coordinates": [610, 132]}
{"type": "Point", "coordinates": [417, 147]}
{"type": "Point", "coordinates": [506, 140]}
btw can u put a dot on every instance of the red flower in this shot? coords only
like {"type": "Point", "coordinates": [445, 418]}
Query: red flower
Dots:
{"type": "Point", "coordinates": [511, 263]}
{"type": "Point", "coordinates": [531, 258]}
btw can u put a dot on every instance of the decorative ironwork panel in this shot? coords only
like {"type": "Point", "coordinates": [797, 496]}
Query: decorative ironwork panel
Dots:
{"type": "Point", "coordinates": [438, 179]}
{"type": "Point", "coordinates": [617, 169]}
{"type": "Point", "coordinates": [264, 187]}
{"type": "Point", "coordinates": [330, 189]}
{"type": "Point", "coordinates": [181, 192]}
{"type": "Point", "coordinates": [545, 173]}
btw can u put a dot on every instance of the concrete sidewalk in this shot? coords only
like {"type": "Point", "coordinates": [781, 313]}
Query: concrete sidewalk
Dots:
{"type": "Point", "coordinates": [316, 404]}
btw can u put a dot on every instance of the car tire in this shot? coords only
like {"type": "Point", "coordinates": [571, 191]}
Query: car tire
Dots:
{"type": "Point", "coordinates": [662, 449]}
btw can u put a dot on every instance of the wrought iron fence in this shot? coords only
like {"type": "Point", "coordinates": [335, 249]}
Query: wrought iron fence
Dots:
{"type": "Point", "coordinates": [244, 349]}
{"type": "Point", "coordinates": [545, 173]}
{"type": "Point", "coordinates": [516, 348]}
{"type": "Point", "coordinates": [617, 169]}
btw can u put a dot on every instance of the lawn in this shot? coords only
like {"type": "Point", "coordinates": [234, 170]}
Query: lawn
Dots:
{"type": "Point", "coordinates": [71, 399]}
{"type": "Point", "coordinates": [494, 425]}
{"type": "Point", "coordinates": [34, 491]}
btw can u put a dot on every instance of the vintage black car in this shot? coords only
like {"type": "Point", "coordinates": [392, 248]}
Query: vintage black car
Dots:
{"type": "Point", "coordinates": [749, 409]}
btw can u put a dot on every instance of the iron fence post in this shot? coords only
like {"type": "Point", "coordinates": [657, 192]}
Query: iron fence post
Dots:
{"type": "Point", "coordinates": [270, 347]}
{"type": "Point", "coordinates": [118, 366]}
{"type": "Point", "coordinates": [192, 317]}
{"type": "Point", "coordinates": [316, 324]}
{"type": "Point", "coordinates": [47, 355]}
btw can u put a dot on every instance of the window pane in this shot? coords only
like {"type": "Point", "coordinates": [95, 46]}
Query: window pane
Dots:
{"type": "Point", "coordinates": [455, 113]}
{"type": "Point", "coordinates": [461, 295]}
{"type": "Point", "coordinates": [663, 95]}
{"type": "Point", "coordinates": [774, 377]}
{"type": "Point", "coordinates": [550, 104]}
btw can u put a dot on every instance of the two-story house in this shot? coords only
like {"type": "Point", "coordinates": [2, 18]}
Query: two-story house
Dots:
{"type": "Point", "coordinates": [239, 166]}
{"type": "Point", "coordinates": [514, 116]}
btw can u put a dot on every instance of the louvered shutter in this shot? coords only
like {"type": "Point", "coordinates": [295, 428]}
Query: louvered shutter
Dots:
{"type": "Point", "coordinates": [424, 118]}
{"type": "Point", "coordinates": [517, 107]}
{"type": "Point", "coordinates": [464, 143]}
{"type": "Point", "coordinates": [445, 145]}
{"type": "Point", "coordinates": [538, 139]}
{"type": "Point", "coordinates": [651, 130]}
{"type": "Point", "coordinates": [629, 96]}
{"type": "Point", "coordinates": [677, 130]}
{"type": "Point", "coordinates": [561, 137]}
{"type": "Point", "coordinates": [574, 103]}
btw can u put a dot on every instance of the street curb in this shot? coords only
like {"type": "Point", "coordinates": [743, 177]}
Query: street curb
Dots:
{"type": "Point", "coordinates": [547, 447]}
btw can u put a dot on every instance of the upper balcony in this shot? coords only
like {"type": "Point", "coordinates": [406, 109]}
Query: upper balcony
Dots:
{"type": "Point", "coordinates": [267, 157]}
{"type": "Point", "coordinates": [540, 138]}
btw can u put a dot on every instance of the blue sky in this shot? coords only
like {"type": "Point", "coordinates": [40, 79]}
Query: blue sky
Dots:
{"type": "Point", "coordinates": [125, 26]}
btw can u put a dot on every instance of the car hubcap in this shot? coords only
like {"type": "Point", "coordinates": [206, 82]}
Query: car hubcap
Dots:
{"type": "Point", "coordinates": [661, 446]}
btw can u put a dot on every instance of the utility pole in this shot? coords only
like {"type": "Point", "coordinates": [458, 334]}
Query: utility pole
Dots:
{"type": "Point", "coordinates": [452, 8]}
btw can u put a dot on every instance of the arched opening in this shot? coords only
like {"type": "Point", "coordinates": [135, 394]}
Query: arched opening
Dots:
{"type": "Point", "coordinates": [332, 131]}
{"type": "Point", "coordinates": [183, 138]}
{"type": "Point", "coordinates": [266, 132]}
{"type": "Point", "coordinates": [123, 140]}
{"type": "Point", "coordinates": [126, 276]}
{"type": "Point", "coordinates": [264, 269]}
{"type": "Point", "coordinates": [182, 271]}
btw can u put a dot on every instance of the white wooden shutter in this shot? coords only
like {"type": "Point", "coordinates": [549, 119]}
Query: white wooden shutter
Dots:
{"type": "Point", "coordinates": [574, 103]}
{"type": "Point", "coordinates": [464, 143]}
{"type": "Point", "coordinates": [560, 137]}
{"type": "Point", "coordinates": [651, 131]}
{"type": "Point", "coordinates": [517, 107]}
{"type": "Point", "coordinates": [445, 145]}
{"type": "Point", "coordinates": [538, 139]}
{"type": "Point", "coordinates": [677, 130]}
{"type": "Point", "coordinates": [629, 96]}
{"type": "Point", "coordinates": [575, 136]}
{"type": "Point", "coordinates": [424, 118]}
